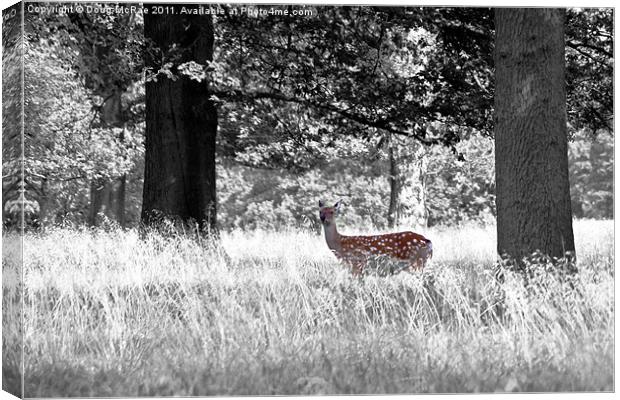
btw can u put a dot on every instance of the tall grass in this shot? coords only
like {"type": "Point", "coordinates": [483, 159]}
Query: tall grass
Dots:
{"type": "Point", "coordinates": [116, 314]}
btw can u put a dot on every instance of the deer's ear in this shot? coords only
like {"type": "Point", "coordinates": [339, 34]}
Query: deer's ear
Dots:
{"type": "Point", "coordinates": [338, 206]}
{"type": "Point", "coordinates": [321, 203]}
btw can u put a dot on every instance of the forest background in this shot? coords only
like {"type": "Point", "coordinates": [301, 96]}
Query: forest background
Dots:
{"type": "Point", "coordinates": [275, 157]}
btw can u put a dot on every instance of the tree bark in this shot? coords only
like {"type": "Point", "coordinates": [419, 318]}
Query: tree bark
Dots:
{"type": "Point", "coordinates": [533, 196]}
{"type": "Point", "coordinates": [407, 180]}
{"type": "Point", "coordinates": [392, 217]}
{"type": "Point", "coordinates": [181, 125]}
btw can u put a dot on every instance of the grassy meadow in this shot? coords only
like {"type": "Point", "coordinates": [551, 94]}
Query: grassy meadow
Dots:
{"type": "Point", "coordinates": [111, 313]}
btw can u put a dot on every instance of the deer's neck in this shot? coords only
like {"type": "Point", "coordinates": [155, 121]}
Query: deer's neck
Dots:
{"type": "Point", "coordinates": [332, 237]}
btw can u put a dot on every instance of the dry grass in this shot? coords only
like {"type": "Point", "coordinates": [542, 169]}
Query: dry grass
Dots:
{"type": "Point", "coordinates": [113, 314]}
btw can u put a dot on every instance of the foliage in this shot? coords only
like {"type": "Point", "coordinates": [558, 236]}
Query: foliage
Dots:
{"type": "Point", "coordinates": [71, 63]}
{"type": "Point", "coordinates": [12, 101]}
{"type": "Point", "coordinates": [458, 191]}
{"type": "Point", "coordinates": [591, 166]}
{"type": "Point", "coordinates": [76, 63]}
{"type": "Point", "coordinates": [305, 107]}
{"type": "Point", "coordinates": [399, 77]}
{"type": "Point", "coordinates": [273, 313]}
{"type": "Point", "coordinates": [465, 38]}
{"type": "Point", "coordinates": [105, 49]}
{"type": "Point", "coordinates": [424, 52]}
{"type": "Point", "coordinates": [65, 147]}
{"type": "Point", "coordinates": [589, 69]}
{"type": "Point", "coordinates": [406, 69]}
{"type": "Point", "coordinates": [271, 199]}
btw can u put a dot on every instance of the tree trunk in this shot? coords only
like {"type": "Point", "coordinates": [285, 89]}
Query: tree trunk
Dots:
{"type": "Point", "coordinates": [118, 209]}
{"type": "Point", "coordinates": [394, 188]}
{"type": "Point", "coordinates": [43, 198]}
{"type": "Point", "coordinates": [412, 207]}
{"type": "Point", "coordinates": [407, 184]}
{"type": "Point", "coordinates": [533, 197]}
{"type": "Point", "coordinates": [181, 124]}
{"type": "Point", "coordinates": [107, 197]}
{"type": "Point", "coordinates": [97, 187]}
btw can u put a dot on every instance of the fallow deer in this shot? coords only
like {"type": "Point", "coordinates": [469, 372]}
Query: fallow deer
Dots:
{"type": "Point", "coordinates": [408, 250]}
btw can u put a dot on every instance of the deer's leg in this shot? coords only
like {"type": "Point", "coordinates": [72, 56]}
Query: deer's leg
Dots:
{"type": "Point", "coordinates": [417, 261]}
{"type": "Point", "coordinates": [357, 267]}
{"type": "Point", "coordinates": [415, 266]}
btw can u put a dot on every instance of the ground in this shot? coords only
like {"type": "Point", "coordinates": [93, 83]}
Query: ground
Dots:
{"type": "Point", "coordinates": [116, 314]}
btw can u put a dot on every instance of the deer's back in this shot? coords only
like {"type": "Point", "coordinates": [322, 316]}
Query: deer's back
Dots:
{"type": "Point", "coordinates": [401, 245]}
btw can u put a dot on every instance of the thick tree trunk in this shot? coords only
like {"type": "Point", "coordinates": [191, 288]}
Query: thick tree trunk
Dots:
{"type": "Point", "coordinates": [533, 197]}
{"type": "Point", "coordinates": [181, 124]}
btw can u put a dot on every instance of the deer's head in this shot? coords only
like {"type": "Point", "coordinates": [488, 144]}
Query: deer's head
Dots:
{"type": "Point", "coordinates": [327, 214]}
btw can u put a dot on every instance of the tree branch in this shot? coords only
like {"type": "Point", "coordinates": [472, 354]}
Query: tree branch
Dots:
{"type": "Point", "coordinates": [383, 124]}
{"type": "Point", "coordinates": [577, 47]}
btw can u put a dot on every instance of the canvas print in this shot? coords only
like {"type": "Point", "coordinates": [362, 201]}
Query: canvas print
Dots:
{"type": "Point", "coordinates": [290, 199]}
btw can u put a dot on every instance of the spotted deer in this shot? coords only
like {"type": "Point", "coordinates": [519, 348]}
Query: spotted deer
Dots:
{"type": "Point", "coordinates": [408, 250]}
